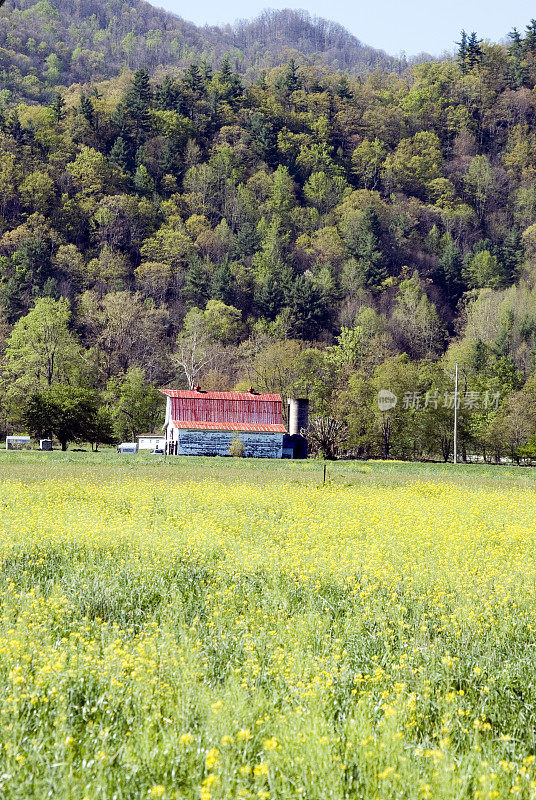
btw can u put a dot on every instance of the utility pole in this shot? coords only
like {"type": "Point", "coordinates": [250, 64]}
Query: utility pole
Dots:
{"type": "Point", "coordinates": [456, 415]}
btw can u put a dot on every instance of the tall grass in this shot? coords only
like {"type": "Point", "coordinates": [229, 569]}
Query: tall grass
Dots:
{"type": "Point", "coordinates": [270, 637]}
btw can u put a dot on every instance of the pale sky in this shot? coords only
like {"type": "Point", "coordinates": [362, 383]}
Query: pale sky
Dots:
{"type": "Point", "coordinates": [410, 26]}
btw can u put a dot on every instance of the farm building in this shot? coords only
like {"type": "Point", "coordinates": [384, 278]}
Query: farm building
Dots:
{"type": "Point", "coordinates": [210, 423]}
{"type": "Point", "coordinates": [17, 442]}
{"type": "Point", "coordinates": [151, 441]}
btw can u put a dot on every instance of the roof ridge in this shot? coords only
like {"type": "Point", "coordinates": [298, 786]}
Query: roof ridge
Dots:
{"type": "Point", "coordinates": [195, 394]}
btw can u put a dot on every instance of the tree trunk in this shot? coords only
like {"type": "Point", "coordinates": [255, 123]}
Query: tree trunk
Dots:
{"type": "Point", "coordinates": [64, 446]}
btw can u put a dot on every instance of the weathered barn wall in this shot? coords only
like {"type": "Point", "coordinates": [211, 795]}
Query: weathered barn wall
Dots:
{"type": "Point", "coordinates": [216, 443]}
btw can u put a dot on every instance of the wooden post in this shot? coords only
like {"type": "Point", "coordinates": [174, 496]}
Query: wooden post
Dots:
{"type": "Point", "coordinates": [324, 473]}
{"type": "Point", "coordinates": [456, 415]}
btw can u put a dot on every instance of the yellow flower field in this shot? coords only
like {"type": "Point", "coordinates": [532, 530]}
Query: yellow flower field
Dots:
{"type": "Point", "coordinates": [171, 638]}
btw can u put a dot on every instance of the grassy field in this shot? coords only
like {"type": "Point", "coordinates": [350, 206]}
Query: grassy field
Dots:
{"type": "Point", "coordinates": [227, 628]}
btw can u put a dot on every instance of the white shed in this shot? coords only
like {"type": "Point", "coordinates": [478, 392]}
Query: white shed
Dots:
{"type": "Point", "coordinates": [151, 441]}
{"type": "Point", "coordinates": [17, 442]}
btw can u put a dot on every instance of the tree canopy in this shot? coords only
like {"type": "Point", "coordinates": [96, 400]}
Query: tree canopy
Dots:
{"type": "Point", "coordinates": [174, 227]}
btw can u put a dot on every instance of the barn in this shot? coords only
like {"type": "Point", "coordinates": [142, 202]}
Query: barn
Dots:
{"type": "Point", "coordinates": [208, 423]}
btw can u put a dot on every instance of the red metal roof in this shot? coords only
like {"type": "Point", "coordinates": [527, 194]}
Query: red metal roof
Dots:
{"type": "Point", "coordinates": [194, 425]}
{"type": "Point", "coordinates": [193, 394]}
{"type": "Point", "coordinates": [225, 408]}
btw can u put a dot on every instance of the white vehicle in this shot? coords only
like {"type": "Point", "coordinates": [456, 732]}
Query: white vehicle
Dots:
{"type": "Point", "coordinates": [127, 447]}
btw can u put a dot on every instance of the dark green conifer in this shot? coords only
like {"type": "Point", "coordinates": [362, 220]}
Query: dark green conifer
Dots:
{"type": "Point", "coordinates": [120, 155]}
{"type": "Point", "coordinates": [87, 110]}
{"type": "Point", "coordinates": [58, 106]}
{"type": "Point", "coordinates": [474, 51]}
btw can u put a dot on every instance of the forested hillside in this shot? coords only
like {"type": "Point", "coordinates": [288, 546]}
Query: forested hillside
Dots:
{"type": "Point", "coordinates": [310, 232]}
{"type": "Point", "coordinates": [45, 45]}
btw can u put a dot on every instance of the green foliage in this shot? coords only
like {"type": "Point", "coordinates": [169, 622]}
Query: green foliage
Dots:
{"type": "Point", "coordinates": [469, 51]}
{"type": "Point", "coordinates": [415, 163]}
{"type": "Point", "coordinates": [362, 235]}
{"type": "Point", "coordinates": [37, 191]}
{"type": "Point", "coordinates": [41, 350]}
{"type": "Point", "coordinates": [220, 322]}
{"type": "Point", "coordinates": [484, 269]}
{"type": "Point", "coordinates": [186, 225]}
{"type": "Point", "coordinates": [367, 160]}
{"type": "Point", "coordinates": [451, 267]}
{"type": "Point", "coordinates": [134, 406]}
{"type": "Point", "coordinates": [480, 182]}
{"type": "Point", "coordinates": [417, 324]}
{"type": "Point", "coordinates": [67, 412]}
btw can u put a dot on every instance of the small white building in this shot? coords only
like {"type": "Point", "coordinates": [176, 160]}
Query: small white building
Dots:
{"type": "Point", "coordinates": [127, 447]}
{"type": "Point", "coordinates": [17, 442]}
{"type": "Point", "coordinates": [151, 441]}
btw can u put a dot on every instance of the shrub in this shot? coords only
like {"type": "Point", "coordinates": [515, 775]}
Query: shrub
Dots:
{"type": "Point", "coordinates": [236, 448]}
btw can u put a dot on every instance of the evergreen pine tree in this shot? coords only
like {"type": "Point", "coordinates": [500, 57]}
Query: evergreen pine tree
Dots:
{"type": "Point", "coordinates": [364, 244]}
{"type": "Point", "coordinates": [480, 357]}
{"type": "Point", "coordinates": [120, 155]}
{"type": "Point", "coordinates": [193, 79]}
{"type": "Point", "coordinates": [451, 268]}
{"type": "Point", "coordinates": [511, 255]}
{"type": "Point", "coordinates": [462, 52]}
{"type": "Point", "coordinates": [221, 285]}
{"type": "Point", "coordinates": [515, 36]}
{"type": "Point", "coordinates": [225, 74]}
{"type": "Point", "coordinates": [139, 93]}
{"type": "Point", "coordinates": [433, 241]}
{"type": "Point", "coordinates": [290, 80]}
{"type": "Point", "coordinates": [261, 80]}
{"type": "Point", "coordinates": [263, 138]}
{"type": "Point", "coordinates": [269, 297]}
{"type": "Point", "coordinates": [307, 309]}
{"type": "Point", "coordinates": [169, 159]}
{"type": "Point", "coordinates": [13, 126]}
{"type": "Point", "coordinates": [197, 283]}
{"type": "Point", "coordinates": [231, 81]}
{"type": "Point", "coordinates": [474, 51]}
{"type": "Point", "coordinates": [206, 71]}
{"type": "Point", "coordinates": [529, 42]}
{"type": "Point", "coordinates": [343, 88]}
{"type": "Point", "coordinates": [87, 110]}
{"type": "Point", "coordinates": [246, 241]}
{"type": "Point", "coordinates": [137, 101]}
{"type": "Point", "coordinates": [503, 341]}
{"type": "Point", "coordinates": [143, 183]}
{"type": "Point", "coordinates": [517, 70]}
{"type": "Point", "coordinates": [58, 106]}
{"type": "Point", "coordinates": [168, 95]}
